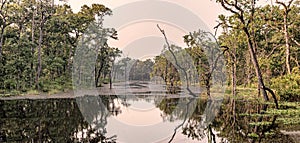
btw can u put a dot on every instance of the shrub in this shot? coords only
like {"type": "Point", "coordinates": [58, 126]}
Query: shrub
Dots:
{"type": "Point", "coordinates": [287, 87]}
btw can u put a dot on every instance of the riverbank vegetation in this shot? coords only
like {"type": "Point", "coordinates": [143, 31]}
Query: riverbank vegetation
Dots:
{"type": "Point", "coordinates": [38, 41]}
{"type": "Point", "coordinates": [260, 46]}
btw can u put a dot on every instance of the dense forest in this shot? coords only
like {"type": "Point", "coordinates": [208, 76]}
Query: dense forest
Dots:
{"type": "Point", "coordinates": [253, 54]}
{"type": "Point", "coordinates": [260, 45]}
{"type": "Point", "coordinates": [38, 41]}
{"type": "Point", "coordinates": [263, 45]}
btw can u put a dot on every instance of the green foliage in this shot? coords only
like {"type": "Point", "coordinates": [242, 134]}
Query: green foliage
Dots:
{"type": "Point", "coordinates": [260, 123]}
{"type": "Point", "coordinates": [30, 26]}
{"type": "Point", "coordinates": [287, 87]}
{"type": "Point", "coordinates": [266, 30]}
{"type": "Point", "coordinates": [32, 92]}
{"type": "Point", "coordinates": [141, 70]}
{"type": "Point", "coordinates": [253, 135]}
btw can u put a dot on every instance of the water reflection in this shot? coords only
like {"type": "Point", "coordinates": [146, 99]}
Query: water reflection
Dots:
{"type": "Point", "coordinates": [63, 120]}
{"type": "Point", "coordinates": [248, 121]}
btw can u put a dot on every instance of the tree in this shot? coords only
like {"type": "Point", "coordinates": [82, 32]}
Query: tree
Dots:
{"type": "Point", "coordinates": [5, 22]}
{"type": "Point", "coordinates": [207, 56]}
{"type": "Point", "coordinates": [286, 11]}
{"type": "Point", "coordinates": [42, 20]}
{"type": "Point", "coordinates": [113, 54]}
{"type": "Point", "coordinates": [166, 69]}
{"type": "Point", "coordinates": [244, 12]}
{"type": "Point", "coordinates": [38, 41]}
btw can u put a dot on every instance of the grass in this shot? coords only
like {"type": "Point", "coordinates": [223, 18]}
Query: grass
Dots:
{"type": "Point", "coordinates": [32, 92]}
{"type": "Point", "coordinates": [249, 94]}
{"type": "Point", "coordinates": [54, 91]}
{"type": "Point", "coordinates": [49, 89]}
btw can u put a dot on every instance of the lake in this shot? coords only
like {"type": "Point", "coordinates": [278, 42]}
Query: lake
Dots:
{"type": "Point", "coordinates": [147, 118]}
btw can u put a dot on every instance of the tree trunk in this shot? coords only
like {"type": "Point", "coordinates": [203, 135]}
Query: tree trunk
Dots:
{"type": "Point", "coordinates": [110, 80]}
{"type": "Point", "coordinates": [98, 75]}
{"type": "Point", "coordinates": [255, 63]}
{"type": "Point", "coordinates": [287, 52]}
{"type": "Point", "coordinates": [234, 78]}
{"type": "Point", "coordinates": [32, 48]}
{"type": "Point", "coordinates": [286, 33]}
{"type": "Point", "coordinates": [274, 96]}
{"type": "Point", "coordinates": [234, 72]}
{"type": "Point", "coordinates": [39, 53]}
{"type": "Point", "coordinates": [207, 85]}
{"type": "Point", "coordinates": [111, 73]}
{"type": "Point", "coordinates": [2, 41]}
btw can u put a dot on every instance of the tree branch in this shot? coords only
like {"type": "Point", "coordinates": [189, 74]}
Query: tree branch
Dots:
{"type": "Point", "coordinates": [3, 3]}
{"type": "Point", "coordinates": [185, 118]}
{"type": "Point", "coordinates": [224, 2]}
{"type": "Point", "coordinates": [296, 42]}
{"type": "Point", "coordinates": [176, 62]}
{"type": "Point", "coordinates": [286, 6]}
{"type": "Point", "coordinates": [273, 50]}
{"type": "Point", "coordinates": [273, 95]}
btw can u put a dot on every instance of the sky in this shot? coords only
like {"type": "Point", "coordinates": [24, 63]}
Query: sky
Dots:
{"type": "Point", "coordinates": [208, 10]}
{"type": "Point", "coordinates": [136, 22]}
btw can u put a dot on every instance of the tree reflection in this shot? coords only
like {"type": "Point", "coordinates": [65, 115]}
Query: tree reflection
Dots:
{"type": "Point", "coordinates": [237, 121]}
{"type": "Point", "coordinates": [85, 120]}
{"type": "Point", "coordinates": [96, 110]}
{"type": "Point", "coordinates": [247, 121]}
{"type": "Point", "coordinates": [55, 120]}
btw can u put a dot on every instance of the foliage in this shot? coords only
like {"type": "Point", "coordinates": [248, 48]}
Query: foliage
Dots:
{"type": "Point", "coordinates": [38, 41]}
{"type": "Point", "coordinates": [141, 70]}
{"type": "Point", "coordinates": [287, 87]}
{"type": "Point", "coordinates": [266, 29]}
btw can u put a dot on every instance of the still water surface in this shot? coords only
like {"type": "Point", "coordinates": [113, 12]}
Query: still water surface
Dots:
{"type": "Point", "coordinates": [145, 119]}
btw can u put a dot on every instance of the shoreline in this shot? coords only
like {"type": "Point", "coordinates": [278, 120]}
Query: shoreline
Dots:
{"type": "Point", "coordinates": [136, 88]}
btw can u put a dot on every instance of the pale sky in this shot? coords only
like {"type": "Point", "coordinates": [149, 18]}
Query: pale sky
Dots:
{"type": "Point", "coordinates": [207, 10]}
{"type": "Point", "coordinates": [139, 37]}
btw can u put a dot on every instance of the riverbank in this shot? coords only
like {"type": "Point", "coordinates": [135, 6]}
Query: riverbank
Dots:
{"type": "Point", "coordinates": [138, 88]}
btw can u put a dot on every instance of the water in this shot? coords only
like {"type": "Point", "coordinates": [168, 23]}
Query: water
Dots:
{"type": "Point", "coordinates": [146, 119]}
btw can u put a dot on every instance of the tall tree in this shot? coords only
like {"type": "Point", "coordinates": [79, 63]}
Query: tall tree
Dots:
{"type": "Point", "coordinates": [33, 26]}
{"type": "Point", "coordinates": [45, 11]}
{"type": "Point", "coordinates": [244, 12]}
{"type": "Point", "coordinates": [286, 11]}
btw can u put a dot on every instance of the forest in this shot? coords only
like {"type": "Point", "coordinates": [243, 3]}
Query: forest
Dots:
{"type": "Point", "coordinates": [260, 45]}
{"type": "Point", "coordinates": [48, 52]}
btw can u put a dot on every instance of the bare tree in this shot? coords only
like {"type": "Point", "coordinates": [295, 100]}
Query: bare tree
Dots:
{"type": "Point", "coordinates": [176, 62]}
{"type": "Point", "coordinates": [286, 10]}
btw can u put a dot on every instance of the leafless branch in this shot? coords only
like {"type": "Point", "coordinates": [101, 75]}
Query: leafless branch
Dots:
{"type": "Point", "coordinates": [224, 4]}
{"type": "Point", "coordinates": [3, 3]}
{"type": "Point", "coordinates": [217, 27]}
{"type": "Point", "coordinates": [286, 6]}
{"type": "Point", "coordinates": [185, 118]}
{"type": "Point", "coordinates": [297, 43]}
{"type": "Point", "coordinates": [273, 50]}
{"type": "Point", "coordinates": [176, 62]}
